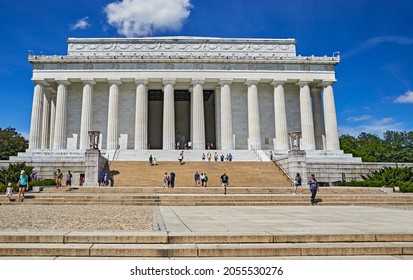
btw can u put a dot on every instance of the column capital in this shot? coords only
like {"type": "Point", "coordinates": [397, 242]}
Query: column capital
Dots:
{"type": "Point", "coordinates": [327, 83]}
{"type": "Point", "coordinates": [277, 83]}
{"type": "Point", "coordinates": [166, 82]}
{"type": "Point", "coordinates": [90, 82]}
{"type": "Point", "coordinates": [40, 82]}
{"type": "Point", "coordinates": [302, 83]}
{"type": "Point", "coordinates": [115, 82]}
{"type": "Point", "coordinates": [141, 82]}
{"type": "Point", "coordinates": [195, 82]}
{"type": "Point", "coordinates": [252, 82]}
{"type": "Point", "coordinates": [63, 82]}
{"type": "Point", "coordinates": [225, 82]}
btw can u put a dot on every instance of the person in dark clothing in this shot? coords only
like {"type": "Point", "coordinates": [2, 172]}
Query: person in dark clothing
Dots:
{"type": "Point", "coordinates": [172, 179]}
{"type": "Point", "coordinates": [312, 182]}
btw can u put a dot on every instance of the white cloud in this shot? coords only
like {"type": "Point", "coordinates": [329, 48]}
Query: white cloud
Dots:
{"type": "Point", "coordinates": [373, 126]}
{"type": "Point", "coordinates": [142, 17]}
{"type": "Point", "coordinates": [359, 119]}
{"type": "Point", "coordinates": [405, 98]}
{"type": "Point", "coordinates": [373, 42]}
{"type": "Point", "coordinates": [80, 24]}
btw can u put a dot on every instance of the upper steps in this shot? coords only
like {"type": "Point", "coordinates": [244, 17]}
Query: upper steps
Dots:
{"type": "Point", "coordinates": [259, 174]}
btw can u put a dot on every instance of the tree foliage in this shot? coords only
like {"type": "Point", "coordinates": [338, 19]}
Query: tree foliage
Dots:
{"type": "Point", "coordinates": [401, 177]}
{"type": "Point", "coordinates": [11, 142]}
{"type": "Point", "coordinates": [12, 173]}
{"type": "Point", "coordinates": [394, 147]}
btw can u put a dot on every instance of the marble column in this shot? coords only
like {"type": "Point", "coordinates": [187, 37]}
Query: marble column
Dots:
{"type": "Point", "coordinates": [227, 142]}
{"type": "Point", "coordinates": [307, 124]}
{"type": "Point", "coordinates": [87, 111]}
{"type": "Point", "coordinates": [52, 117]}
{"type": "Point", "coordinates": [35, 137]}
{"type": "Point", "coordinates": [281, 130]}
{"type": "Point", "coordinates": [113, 115]}
{"type": "Point", "coordinates": [254, 129]}
{"type": "Point", "coordinates": [60, 138]}
{"type": "Point", "coordinates": [46, 120]}
{"type": "Point", "coordinates": [168, 115]}
{"type": "Point", "coordinates": [330, 117]}
{"type": "Point", "coordinates": [141, 116]}
{"type": "Point", "coordinates": [318, 117]}
{"type": "Point", "coordinates": [198, 122]}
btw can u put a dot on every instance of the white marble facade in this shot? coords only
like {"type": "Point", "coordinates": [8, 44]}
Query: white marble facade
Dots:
{"type": "Point", "coordinates": [235, 93]}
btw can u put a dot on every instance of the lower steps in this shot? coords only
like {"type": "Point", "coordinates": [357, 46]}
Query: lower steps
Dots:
{"type": "Point", "coordinates": [163, 244]}
{"type": "Point", "coordinates": [212, 196]}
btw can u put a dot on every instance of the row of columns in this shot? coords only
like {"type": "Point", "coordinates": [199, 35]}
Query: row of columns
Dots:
{"type": "Point", "coordinates": [48, 122]}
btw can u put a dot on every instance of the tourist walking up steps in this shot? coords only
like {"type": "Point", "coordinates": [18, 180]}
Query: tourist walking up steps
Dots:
{"type": "Point", "coordinates": [197, 177]}
{"type": "Point", "coordinates": [224, 182]}
{"type": "Point", "coordinates": [312, 182]}
{"type": "Point", "coordinates": [297, 184]}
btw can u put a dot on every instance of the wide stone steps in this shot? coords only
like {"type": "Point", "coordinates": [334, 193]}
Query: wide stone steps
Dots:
{"type": "Point", "coordinates": [254, 173]}
{"type": "Point", "coordinates": [163, 244]}
{"type": "Point", "coordinates": [218, 199]}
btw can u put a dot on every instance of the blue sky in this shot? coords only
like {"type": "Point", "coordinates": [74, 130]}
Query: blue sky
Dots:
{"type": "Point", "coordinates": [374, 89]}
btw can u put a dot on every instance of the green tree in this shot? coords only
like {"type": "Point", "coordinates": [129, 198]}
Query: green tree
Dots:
{"type": "Point", "coordinates": [12, 173]}
{"type": "Point", "coordinates": [11, 142]}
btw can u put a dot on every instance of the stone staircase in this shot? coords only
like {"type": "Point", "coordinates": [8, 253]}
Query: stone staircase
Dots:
{"type": "Point", "coordinates": [246, 173]}
{"type": "Point", "coordinates": [214, 196]}
{"type": "Point", "coordinates": [207, 245]}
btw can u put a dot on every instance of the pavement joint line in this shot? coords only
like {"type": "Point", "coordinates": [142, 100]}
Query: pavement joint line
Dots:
{"type": "Point", "coordinates": [179, 218]}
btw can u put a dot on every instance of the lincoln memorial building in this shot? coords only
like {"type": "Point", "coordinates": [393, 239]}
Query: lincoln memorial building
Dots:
{"type": "Point", "coordinates": [140, 93]}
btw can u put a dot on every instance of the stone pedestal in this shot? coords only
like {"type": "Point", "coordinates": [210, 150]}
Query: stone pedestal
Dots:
{"type": "Point", "coordinates": [297, 163]}
{"type": "Point", "coordinates": [94, 163]}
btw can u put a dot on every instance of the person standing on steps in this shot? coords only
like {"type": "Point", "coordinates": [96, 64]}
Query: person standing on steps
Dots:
{"type": "Point", "coordinates": [59, 177]}
{"type": "Point", "coordinates": [69, 181]}
{"type": "Point", "coordinates": [297, 184]}
{"type": "Point", "coordinates": [22, 183]}
{"type": "Point", "coordinates": [312, 182]}
{"type": "Point", "coordinates": [197, 177]}
{"type": "Point", "coordinates": [224, 182]}
{"type": "Point", "coordinates": [150, 160]}
{"type": "Point", "coordinates": [172, 179]}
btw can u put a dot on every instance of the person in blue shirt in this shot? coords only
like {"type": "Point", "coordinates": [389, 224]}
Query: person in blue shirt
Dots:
{"type": "Point", "coordinates": [23, 181]}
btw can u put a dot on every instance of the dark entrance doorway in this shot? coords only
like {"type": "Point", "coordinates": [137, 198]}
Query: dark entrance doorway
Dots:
{"type": "Point", "coordinates": [182, 117]}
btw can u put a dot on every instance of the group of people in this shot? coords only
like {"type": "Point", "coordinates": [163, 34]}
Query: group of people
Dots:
{"type": "Point", "coordinates": [201, 179]}
{"type": "Point", "coordinates": [168, 180]}
{"type": "Point", "coordinates": [185, 146]}
{"type": "Point", "coordinates": [22, 184]}
{"type": "Point", "coordinates": [208, 156]}
{"type": "Point", "coordinates": [152, 161]}
{"type": "Point", "coordinates": [105, 179]}
{"type": "Point", "coordinates": [59, 177]}
{"type": "Point", "coordinates": [313, 184]}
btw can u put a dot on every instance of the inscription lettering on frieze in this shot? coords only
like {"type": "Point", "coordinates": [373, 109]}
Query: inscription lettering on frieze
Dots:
{"type": "Point", "coordinates": [226, 67]}
{"type": "Point", "coordinates": [329, 68]}
{"type": "Point", "coordinates": [305, 67]}
{"type": "Point", "coordinates": [115, 66]}
{"type": "Point", "coordinates": [279, 67]}
{"type": "Point", "coordinates": [141, 66]}
{"type": "Point", "coordinates": [38, 66]}
{"type": "Point", "coordinates": [62, 66]}
{"type": "Point", "coordinates": [252, 67]}
{"type": "Point", "coordinates": [199, 66]}
{"type": "Point", "coordinates": [88, 66]}
{"type": "Point", "coordinates": [168, 66]}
